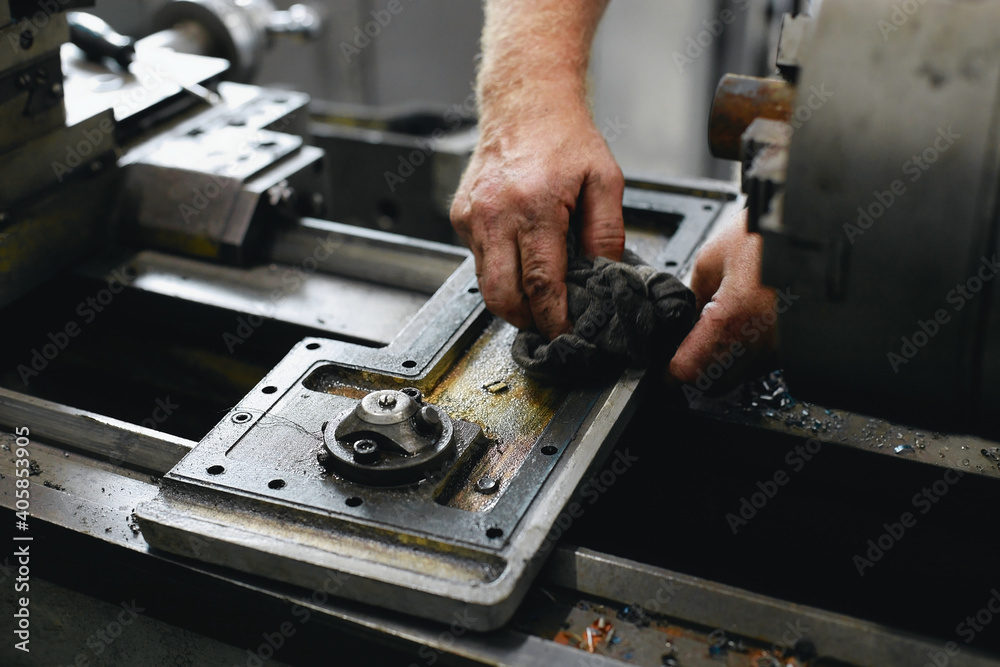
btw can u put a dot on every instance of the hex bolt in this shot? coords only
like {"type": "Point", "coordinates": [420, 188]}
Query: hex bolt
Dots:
{"type": "Point", "coordinates": [366, 452]}
{"type": "Point", "coordinates": [427, 421]}
{"type": "Point", "coordinates": [487, 485]}
{"type": "Point", "coordinates": [387, 401]}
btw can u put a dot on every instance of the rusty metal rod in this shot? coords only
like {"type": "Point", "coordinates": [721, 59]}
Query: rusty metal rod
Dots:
{"type": "Point", "coordinates": [739, 100]}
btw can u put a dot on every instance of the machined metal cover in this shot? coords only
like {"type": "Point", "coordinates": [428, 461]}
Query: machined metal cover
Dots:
{"type": "Point", "coordinates": [468, 539]}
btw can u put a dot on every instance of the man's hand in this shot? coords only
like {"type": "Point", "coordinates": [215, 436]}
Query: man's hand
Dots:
{"type": "Point", "coordinates": [539, 160]}
{"type": "Point", "coordinates": [514, 204]}
{"type": "Point", "coordinates": [735, 307]}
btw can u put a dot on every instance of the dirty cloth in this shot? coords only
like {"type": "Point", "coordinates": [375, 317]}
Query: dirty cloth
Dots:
{"type": "Point", "coordinates": [624, 314]}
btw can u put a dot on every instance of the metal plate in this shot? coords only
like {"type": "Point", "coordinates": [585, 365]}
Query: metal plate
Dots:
{"type": "Point", "coordinates": [252, 495]}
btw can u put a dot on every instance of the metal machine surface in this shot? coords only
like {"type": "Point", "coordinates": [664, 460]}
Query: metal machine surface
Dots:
{"type": "Point", "coordinates": [266, 420]}
{"type": "Point", "coordinates": [458, 518]}
{"type": "Point", "coordinates": [895, 135]}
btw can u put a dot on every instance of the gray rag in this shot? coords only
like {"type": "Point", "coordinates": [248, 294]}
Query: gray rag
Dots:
{"type": "Point", "coordinates": [623, 313]}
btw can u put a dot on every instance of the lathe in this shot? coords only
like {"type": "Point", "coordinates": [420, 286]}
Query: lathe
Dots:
{"type": "Point", "coordinates": [244, 424]}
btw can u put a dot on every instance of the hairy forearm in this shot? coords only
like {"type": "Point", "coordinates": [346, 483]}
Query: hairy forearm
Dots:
{"type": "Point", "coordinates": [535, 56]}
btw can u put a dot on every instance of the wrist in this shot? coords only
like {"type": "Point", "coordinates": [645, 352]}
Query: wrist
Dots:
{"type": "Point", "coordinates": [525, 105]}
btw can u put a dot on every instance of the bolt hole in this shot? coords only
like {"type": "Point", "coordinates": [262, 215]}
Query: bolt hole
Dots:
{"type": "Point", "coordinates": [549, 450]}
{"type": "Point", "coordinates": [312, 346]}
{"type": "Point", "coordinates": [708, 207]}
{"type": "Point", "coordinates": [494, 533]}
{"type": "Point", "coordinates": [409, 363]}
{"type": "Point", "coordinates": [353, 501]}
{"type": "Point", "coordinates": [269, 389]}
{"type": "Point", "coordinates": [388, 208]}
{"type": "Point", "coordinates": [671, 264]}
{"type": "Point", "coordinates": [215, 470]}
{"type": "Point", "coordinates": [276, 484]}
{"type": "Point", "coordinates": [473, 290]}
{"type": "Point", "coordinates": [242, 417]}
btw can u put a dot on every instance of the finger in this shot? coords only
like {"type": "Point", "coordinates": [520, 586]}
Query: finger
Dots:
{"type": "Point", "coordinates": [707, 275]}
{"type": "Point", "coordinates": [500, 282]}
{"type": "Point", "coordinates": [726, 340]}
{"type": "Point", "coordinates": [543, 274]}
{"type": "Point", "coordinates": [603, 233]}
{"type": "Point", "coordinates": [695, 351]}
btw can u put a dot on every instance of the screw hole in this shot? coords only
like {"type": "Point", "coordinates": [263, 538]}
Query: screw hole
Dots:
{"type": "Point", "coordinates": [708, 207]}
{"type": "Point", "coordinates": [215, 470]}
{"type": "Point", "coordinates": [494, 533]}
{"type": "Point", "coordinates": [473, 290]}
{"type": "Point", "coordinates": [312, 346]}
{"type": "Point", "coordinates": [671, 264]}
{"type": "Point", "coordinates": [549, 450]}
{"type": "Point", "coordinates": [353, 501]}
{"type": "Point", "coordinates": [242, 417]}
{"type": "Point", "coordinates": [269, 389]}
{"type": "Point", "coordinates": [409, 363]}
{"type": "Point", "coordinates": [276, 484]}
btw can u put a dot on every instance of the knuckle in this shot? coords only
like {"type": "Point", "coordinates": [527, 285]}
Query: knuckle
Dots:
{"type": "Point", "coordinates": [610, 236]}
{"type": "Point", "coordinates": [538, 282]}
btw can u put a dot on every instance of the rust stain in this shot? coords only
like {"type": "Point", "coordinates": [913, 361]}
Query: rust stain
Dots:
{"type": "Point", "coordinates": [513, 418]}
{"type": "Point", "coordinates": [739, 100]}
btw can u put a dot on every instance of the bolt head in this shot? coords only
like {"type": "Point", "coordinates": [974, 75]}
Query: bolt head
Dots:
{"type": "Point", "coordinates": [387, 401]}
{"type": "Point", "coordinates": [427, 421]}
{"type": "Point", "coordinates": [413, 393]}
{"type": "Point", "coordinates": [365, 452]}
{"type": "Point", "coordinates": [487, 485]}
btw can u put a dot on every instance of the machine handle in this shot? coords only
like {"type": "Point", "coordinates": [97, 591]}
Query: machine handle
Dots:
{"type": "Point", "coordinates": [99, 40]}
